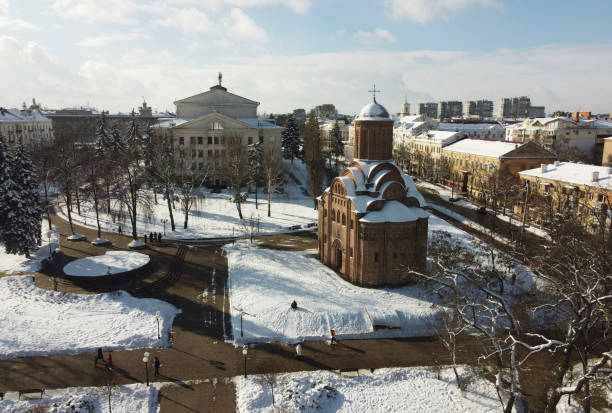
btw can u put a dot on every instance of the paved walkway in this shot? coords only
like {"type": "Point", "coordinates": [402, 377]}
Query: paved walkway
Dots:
{"type": "Point", "coordinates": [199, 351]}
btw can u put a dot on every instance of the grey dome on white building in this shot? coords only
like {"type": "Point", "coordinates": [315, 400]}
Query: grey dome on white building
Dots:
{"type": "Point", "coordinates": [373, 111]}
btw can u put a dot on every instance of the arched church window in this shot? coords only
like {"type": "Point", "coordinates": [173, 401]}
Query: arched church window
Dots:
{"type": "Point", "coordinates": [343, 219]}
{"type": "Point", "coordinates": [215, 125]}
{"type": "Point", "coordinates": [338, 216]}
{"type": "Point", "coordinates": [333, 215]}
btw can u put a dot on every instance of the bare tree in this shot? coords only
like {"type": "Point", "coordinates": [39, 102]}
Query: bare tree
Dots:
{"type": "Point", "coordinates": [93, 189]}
{"type": "Point", "coordinates": [234, 166]}
{"type": "Point", "coordinates": [270, 380]}
{"type": "Point", "coordinates": [66, 166]}
{"type": "Point", "coordinates": [108, 388]}
{"type": "Point", "coordinates": [189, 179]}
{"type": "Point", "coordinates": [162, 167]}
{"type": "Point", "coordinates": [273, 171]}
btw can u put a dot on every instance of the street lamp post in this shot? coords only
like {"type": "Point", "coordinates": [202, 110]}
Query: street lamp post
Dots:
{"type": "Point", "coordinates": [244, 354]}
{"type": "Point", "coordinates": [164, 220]}
{"type": "Point", "coordinates": [145, 360]}
{"type": "Point", "coordinates": [157, 315]}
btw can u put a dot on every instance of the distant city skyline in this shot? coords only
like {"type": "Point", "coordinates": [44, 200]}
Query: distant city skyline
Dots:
{"type": "Point", "coordinates": [302, 53]}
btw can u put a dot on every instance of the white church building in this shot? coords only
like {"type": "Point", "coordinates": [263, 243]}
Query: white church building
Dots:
{"type": "Point", "coordinates": [204, 121]}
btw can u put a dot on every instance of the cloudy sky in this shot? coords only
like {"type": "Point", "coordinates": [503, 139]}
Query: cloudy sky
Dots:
{"type": "Point", "coordinates": [299, 53]}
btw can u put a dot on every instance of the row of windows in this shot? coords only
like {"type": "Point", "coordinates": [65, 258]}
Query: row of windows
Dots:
{"type": "Point", "coordinates": [212, 140]}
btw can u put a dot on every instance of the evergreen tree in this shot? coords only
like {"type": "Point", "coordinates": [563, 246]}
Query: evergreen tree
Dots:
{"type": "Point", "coordinates": [291, 140]}
{"type": "Point", "coordinates": [255, 167]}
{"type": "Point", "coordinates": [116, 141]}
{"type": "Point", "coordinates": [23, 229]}
{"type": "Point", "coordinates": [102, 137]}
{"type": "Point", "coordinates": [6, 185]}
{"type": "Point", "coordinates": [313, 156]}
{"type": "Point", "coordinates": [337, 145]}
{"type": "Point", "coordinates": [133, 138]}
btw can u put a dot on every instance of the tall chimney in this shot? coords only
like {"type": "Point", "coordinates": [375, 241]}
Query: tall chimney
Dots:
{"type": "Point", "coordinates": [595, 176]}
{"type": "Point", "coordinates": [543, 167]}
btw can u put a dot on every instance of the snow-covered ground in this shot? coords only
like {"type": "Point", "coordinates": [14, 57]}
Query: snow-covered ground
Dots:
{"type": "Point", "coordinates": [113, 262]}
{"type": "Point", "coordinates": [15, 264]}
{"type": "Point", "coordinates": [215, 215]}
{"type": "Point", "coordinates": [415, 389]}
{"type": "Point", "coordinates": [264, 282]}
{"type": "Point", "coordinates": [40, 322]}
{"type": "Point", "coordinates": [131, 398]}
{"type": "Point", "coordinates": [446, 193]}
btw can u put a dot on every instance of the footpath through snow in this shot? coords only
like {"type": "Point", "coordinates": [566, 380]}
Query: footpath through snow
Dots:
{"type": "Point", "coordinates": [39, 322]}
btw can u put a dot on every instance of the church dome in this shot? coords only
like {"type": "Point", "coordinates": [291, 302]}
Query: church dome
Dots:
{"type": "Point", "coordinates": [373, 111]}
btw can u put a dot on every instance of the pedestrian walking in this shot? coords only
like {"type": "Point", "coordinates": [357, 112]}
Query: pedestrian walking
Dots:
{"type": "Point", "coordinates": [119, 230]}
{"type": "Point", "coordinates": [99, 356]}
{"type": "Point", "coordinates": [109, 361]}
{"type": "Point", "coordinates": [159, 237]}
{"type": "Point", "coordinates": [145, 238]}
{"type": "Point", "coordinates": [294, 305]}
{"type": "Point", "coordinates": [298, 351]}
{"type": "Point", "coordinates": [151, 237]}
{"type": "Point", "coordinates": [156, 365]}
{"type": "Point", "coordinates": [333, 337]}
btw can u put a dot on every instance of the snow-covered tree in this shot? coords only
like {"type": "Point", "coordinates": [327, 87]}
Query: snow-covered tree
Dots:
{"type": "Point", "coordinates": [255, 167]}
{"type": "Point", "coordinates": [117, 142]}
{"type": "Point", "coordinates": [133, 137]}
{"type": "Point", "coordinates": [162, 168]}
{"type": "Point", "coordinates": [102, 143]}
{"type": "Point", "coordinates": [22, 231]}
{"type": "Point", "coordinates": [189, 179]}
{"type": "Point", "coordinates": [290, 140]}
{"type": "Point", "coordinates": [6, 187]}
{"type": "Point", "coordinates": [313, 157]}
{"type": "Point", "coordinates": [337, 144]}
{"type": "Point", "coordinates": [273, 172]}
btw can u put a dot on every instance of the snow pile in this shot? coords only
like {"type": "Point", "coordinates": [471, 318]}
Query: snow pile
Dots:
{"type": "Point", "coordinates": [15, 264]}
{"type": "Point", "coordinates": [132, 398]}
{"type": "Point", "coordinates": [40, 322]}
{"type": "Point", "coordinates": [264, 282]}
{"type": "Point", "coordinates": [113, 262]}
{"type": "Point", "coordinates": [416, 389]}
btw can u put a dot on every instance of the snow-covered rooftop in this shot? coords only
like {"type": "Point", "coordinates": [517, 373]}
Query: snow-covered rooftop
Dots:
{"type": "Point", "coordinates": [255, 122]}
{"type": "Point", "coordinates": [395, 211]}
{"type": "Point", "coordinates": [574, 173]}
{"type": "Point", "coordinates": [469, 126]}
{"type": "Point", "coordinates": [483, 147]}
{"type": "Point", "coordinates": [373, 111]}
{"type": "Point", "coordinates": [438, 135]}
{"type": "Point", "coordinates": [15, 115]}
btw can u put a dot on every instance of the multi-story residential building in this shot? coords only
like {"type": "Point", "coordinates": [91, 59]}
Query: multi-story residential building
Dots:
{"type": "Point", "coordinates": [481, 108]}
{"type": "Point", "coordinates": [431, 142]}
{"type": "Point", "coordinates": [207, 120]}
{"type": "Point", "coordinates": [80, 123]}
{"type": "Point", "coordinates": [519, 107]}
{"type": "Point", "coordinates": [408, 127]}
{"type": "Point", "coordinates": [449, 109]}
{"type": "Point", "coordinates": [429, 109]}
{"type": "Point", "coordinates": [299, 114]}
{"type": "Point", "coordinates": [25, 127]}
{"type": "Point", "coordinates": [326, 111]}
{"type": "Point", "coordinates": [561, 132]}
{"type": "Point", "coordinates": [585, 189]}
{"type": "Point", "coordinates": [472, 161]}
{"type": "Point", "coordinates": [475, 130]}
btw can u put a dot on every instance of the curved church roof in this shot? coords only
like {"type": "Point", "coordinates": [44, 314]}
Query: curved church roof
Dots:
{"type": "Point", "coordinates": [373, 111]}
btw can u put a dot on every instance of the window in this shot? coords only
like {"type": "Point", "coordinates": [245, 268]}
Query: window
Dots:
{"type": "Point", "coordinates": [375, 257]}
{"type": "Point", "coordinates": [333, 215]}
{"type": "Point", "coordinates": [338, 216]}
{"type": "Point", "coordinates": [200, 154]}
{"type": "Point", "coordinates": [250, 140]}
{"type": "Point", "coordinates": [216, 140]}
{"type": "Point", "coordinates": [193, 154]}
{"type": "Point", "coordinates": [351, 252]}
{"type": "Point", "coordinates": [200, 166]}
{"type": "Point", "coordinates": [210, 153]}
{"type": "Point", "coordinates": [181, 140]}
{"type": "Point", "coordinates": [192, 140]}
{"type": "Point", "coordinates": [590, 196]}
{"type": "Point", "coordinates": [200, 140]}
{"type": "Point", "coordinates": [343, 219]}
{"type": "Point", "coordinates": [210, 140]}
{"type": "Point", "coordinates": [600, 197]}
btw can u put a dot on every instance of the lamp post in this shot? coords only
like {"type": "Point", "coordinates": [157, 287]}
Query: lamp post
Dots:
{"type": "Point", "coordinates": [164, 220]}
{"type": "Point", "coordinates": [145, 360]}
{"type": "Point", "coordinates": [244, 354]}
{"type": "Point", "coordinates": [157, 315]}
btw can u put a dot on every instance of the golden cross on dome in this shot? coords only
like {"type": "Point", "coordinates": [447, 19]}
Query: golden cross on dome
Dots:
{"type": "Point", "coordinates": [373, 91]}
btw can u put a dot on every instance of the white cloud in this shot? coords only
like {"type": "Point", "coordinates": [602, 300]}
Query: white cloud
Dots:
{"type": "Point", "coordinates": [562, 77]}
{"type": "Point", "coordinates": [239, 24]}
{"type": "Point", "coordinates": [106, 39]}
{"type": "Point", "coordinates": [10, 23]}
{"type": "Point", "coordinates": [95, 11]}
{"type": "Point", "coordinates": [376, 36]}
{"type": "Point", "coordinates": [187, 20]}
{"type": "Point", "coordinates": [423, 11]}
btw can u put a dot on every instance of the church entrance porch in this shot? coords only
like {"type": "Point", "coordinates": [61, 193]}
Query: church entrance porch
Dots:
{"type": "Point", "coordinates": [336, 258]}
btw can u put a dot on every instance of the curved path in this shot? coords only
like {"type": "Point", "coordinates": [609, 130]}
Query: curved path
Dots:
{"type": "Point", "coordinates": [199, 360]}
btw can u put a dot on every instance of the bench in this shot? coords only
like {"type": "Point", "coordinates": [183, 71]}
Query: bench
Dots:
{"type": "Point", "coordinates": [30, 391]}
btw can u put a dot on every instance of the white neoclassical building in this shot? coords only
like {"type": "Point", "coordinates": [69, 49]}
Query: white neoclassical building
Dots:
{"type": "Point", "coordinates": [205, 121]}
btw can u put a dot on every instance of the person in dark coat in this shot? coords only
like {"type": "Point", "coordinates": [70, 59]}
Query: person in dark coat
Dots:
{"type": "Point", "coordinates": [99, 356]}
{"type": "Point", "coordinates": [159, 237]}
{"type": "Point", "coordinates": [145, 237]}
{"type": "Point", "coordinates": [120, 231]}
{"type": "Point", "coordinates": [151, 237]}
{"type": "Point", "coordinates": [333, 337]}
{"type": "Point", "coordinates": [294, 304]}
{"type": "Point", "coordinates": [156, 365]}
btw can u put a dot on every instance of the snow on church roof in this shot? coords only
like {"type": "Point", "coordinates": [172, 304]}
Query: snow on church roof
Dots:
{"type": "Point", "coordinates": [395, 211]}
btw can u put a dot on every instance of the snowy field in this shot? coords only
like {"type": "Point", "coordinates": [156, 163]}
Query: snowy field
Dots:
{"type": "Point", "coordinates": [113, 262]}
{"type": "Point", "coordinates": [132, 398]}
{"type": "Point", "coordinates": [15, 264]}
{"type": "Point", "coordinates": [40, 322]}
{"type": "Point", "coordinates": [215, 215]}
{"type": "Point", "coordinates": [264, 282]}
{"type": "Point", "coordinates": [416, 389]}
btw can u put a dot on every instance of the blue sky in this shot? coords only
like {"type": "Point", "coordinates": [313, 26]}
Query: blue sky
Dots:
{"type": "Point", "coordinates": [299, 53]}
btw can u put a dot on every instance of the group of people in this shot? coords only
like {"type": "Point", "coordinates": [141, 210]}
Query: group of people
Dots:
{"type": "Point", "coordinates": [153, 237]}
{"type": "Point", "coordinates": [109, 361]}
